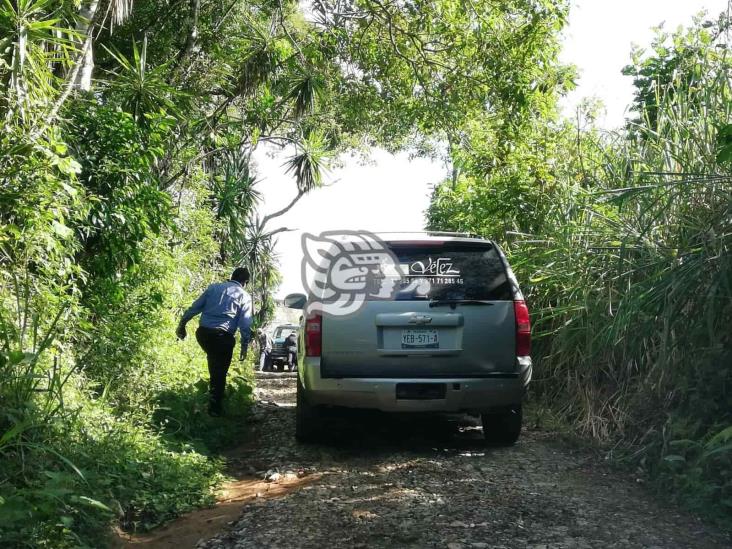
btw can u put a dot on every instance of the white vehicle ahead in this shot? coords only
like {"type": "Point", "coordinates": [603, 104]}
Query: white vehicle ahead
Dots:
{"type": "Point", "coordinates": [453, 337]}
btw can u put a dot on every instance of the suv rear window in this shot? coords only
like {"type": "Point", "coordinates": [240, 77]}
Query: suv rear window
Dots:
{"type": "Point", "coordinates": [451, 271]}
{"type": "Point", "coordinates": [284, 331]}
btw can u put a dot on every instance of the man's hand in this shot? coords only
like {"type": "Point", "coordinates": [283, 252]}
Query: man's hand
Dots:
{"type": "Point", "coordinates": [180, 331]}
{"type": "Point", "coordinates": [244, 344]}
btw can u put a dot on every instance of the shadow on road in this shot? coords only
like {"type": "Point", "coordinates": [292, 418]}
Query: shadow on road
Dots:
{"type": "Point", "coordinates": [377, 434]}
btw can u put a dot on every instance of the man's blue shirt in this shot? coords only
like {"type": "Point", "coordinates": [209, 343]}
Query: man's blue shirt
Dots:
{"type": "Point", "coordinates": [225, 306]}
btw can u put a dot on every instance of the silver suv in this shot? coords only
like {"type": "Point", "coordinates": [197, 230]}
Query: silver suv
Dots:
{"type": "Point", "coordinates": [461, 343]}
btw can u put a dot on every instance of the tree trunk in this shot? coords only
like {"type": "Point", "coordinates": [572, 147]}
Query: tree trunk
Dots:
{"type": "Point", "coordinates": [84, 27]}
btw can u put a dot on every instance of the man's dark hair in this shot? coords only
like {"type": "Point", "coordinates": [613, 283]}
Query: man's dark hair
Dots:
{"type": "Point", "coordinates": [241, 275]}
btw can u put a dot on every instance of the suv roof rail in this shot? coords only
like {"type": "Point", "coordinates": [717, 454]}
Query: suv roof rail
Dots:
{"type": "Point", "coordinates": [434, 233]}
{"type": "Point", "coordinates": [453, 233]}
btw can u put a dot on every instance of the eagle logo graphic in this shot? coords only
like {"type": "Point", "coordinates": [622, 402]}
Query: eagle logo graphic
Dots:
{"type": "Point", "coordinates": [341, 270]}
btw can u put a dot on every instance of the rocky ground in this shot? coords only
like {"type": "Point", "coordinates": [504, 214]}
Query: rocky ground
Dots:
{"type": "Point", "coordinates": [421, 483]}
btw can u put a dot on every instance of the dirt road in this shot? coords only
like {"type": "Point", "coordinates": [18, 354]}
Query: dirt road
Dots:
{"type": "Point", "coordinates": [407, 483]}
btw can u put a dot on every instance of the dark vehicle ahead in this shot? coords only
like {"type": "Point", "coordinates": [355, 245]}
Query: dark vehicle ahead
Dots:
{"type": "Point", "coordinates": [279, 355]}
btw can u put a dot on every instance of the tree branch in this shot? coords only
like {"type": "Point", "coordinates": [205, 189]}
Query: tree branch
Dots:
{"type": "Point", "coordinates": [283, 211]}
{"type": "Point", "coordinates": [287, 33]}
{"type": "Point", "coordinates": [69, 86]}
{"type": "Point", "coordinates": [280, 230]}
{"type": "Point", "coordinates": [195, 7]}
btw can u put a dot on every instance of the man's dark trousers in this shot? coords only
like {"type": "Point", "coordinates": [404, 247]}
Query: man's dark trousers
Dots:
{"type": "Point", "coordinates": [219, 348]}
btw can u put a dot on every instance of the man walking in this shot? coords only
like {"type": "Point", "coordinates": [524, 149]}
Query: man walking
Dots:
{"type": "Point", "coordinates": [265, 350]}
{"type": "Point", "coordinates": [291, 347]}
{"type": "Point", "coordinates": [224, 307]}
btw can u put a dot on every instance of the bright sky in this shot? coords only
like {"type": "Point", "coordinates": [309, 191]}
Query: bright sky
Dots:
{"type": "Point", "coordinates": [391, 193]}
{"type": "Point", "coordinates": [599, 39]}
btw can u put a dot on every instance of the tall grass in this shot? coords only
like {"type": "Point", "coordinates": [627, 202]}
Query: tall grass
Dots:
{"type": "Point", "coordinates": [627, 265]}
{"type": "Point", "coordinates": [634, 328]}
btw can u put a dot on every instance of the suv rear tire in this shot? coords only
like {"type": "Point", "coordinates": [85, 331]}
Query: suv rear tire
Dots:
{"type": "Point", "coordinates": [308, 418]}
{"type": "Point", "coordinates": [502, 427]}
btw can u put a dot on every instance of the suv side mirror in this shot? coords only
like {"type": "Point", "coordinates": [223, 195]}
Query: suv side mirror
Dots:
{"type": "Point", "coordinates": [295, 301]}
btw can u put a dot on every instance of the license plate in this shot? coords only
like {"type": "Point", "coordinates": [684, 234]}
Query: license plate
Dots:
{"type": "Point", "coordinates": [419, 339]}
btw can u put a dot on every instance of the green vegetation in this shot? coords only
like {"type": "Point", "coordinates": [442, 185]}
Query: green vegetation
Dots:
{"type": "Point", "coordinates": [126, 185]}
{"type": "Point", "coordinates": [623, 244]}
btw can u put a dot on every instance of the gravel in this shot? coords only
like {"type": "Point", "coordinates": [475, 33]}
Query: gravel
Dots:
{"type": "Point", "coordinates": [391, 481]}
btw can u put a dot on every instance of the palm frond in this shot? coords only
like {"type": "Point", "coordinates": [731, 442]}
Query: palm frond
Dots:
{"type": "Point", "coordinates": [310, 162]}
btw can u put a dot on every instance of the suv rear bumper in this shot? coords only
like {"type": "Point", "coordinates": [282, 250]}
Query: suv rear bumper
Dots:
{"type": "Point", "coordinates": [461, 395]}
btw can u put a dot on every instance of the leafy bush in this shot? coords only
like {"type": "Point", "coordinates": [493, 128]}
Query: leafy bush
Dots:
{"type": "Point", "coordinates": [75, 460]}
{"type": "Point", "coordinates": [87, 317]}
{"type": "Point", "coordinates": [73, 481]}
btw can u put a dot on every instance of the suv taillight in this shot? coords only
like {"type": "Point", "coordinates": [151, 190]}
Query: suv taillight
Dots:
{"type": "Point", "coordinates": [313, 335]}
{"type": "Point", "coordinates": [523, 328]}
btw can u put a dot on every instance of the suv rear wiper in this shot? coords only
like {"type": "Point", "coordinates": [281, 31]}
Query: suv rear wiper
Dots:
{"type": "Point", "coordinates": [453, 302]}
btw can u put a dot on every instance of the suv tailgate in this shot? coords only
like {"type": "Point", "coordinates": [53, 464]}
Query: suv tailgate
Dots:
{"type": "Point", "coordinates": [458, 323]}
